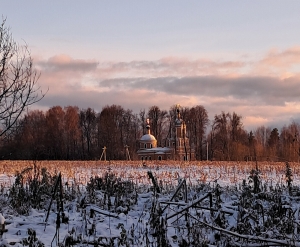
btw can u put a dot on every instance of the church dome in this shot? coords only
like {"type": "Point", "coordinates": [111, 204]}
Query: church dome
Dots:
{"type": "Point", "coordinates": [148, 137]}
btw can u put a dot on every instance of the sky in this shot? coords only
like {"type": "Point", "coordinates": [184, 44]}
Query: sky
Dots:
{"type": "Point", "coordinates": [231, 56]}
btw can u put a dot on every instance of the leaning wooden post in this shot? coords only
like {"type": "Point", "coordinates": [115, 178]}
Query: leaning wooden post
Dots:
{"type": "Point", "coordinates": [52, 198]}
{"type": "Point", "coordinates": [210, 203]}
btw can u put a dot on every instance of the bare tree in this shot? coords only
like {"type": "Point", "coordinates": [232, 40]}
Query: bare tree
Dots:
{"type": "Point", "coordinates": [197, 122]}
{"type": "Point", "coordinates": [18, 80]}
{"type": "Point", "coordinates": [221, 136]}
{"type": "Point", "coordinates": [158, 121]}
{"type": "Point", "coordinates": [111, 131]}
{"type": "Point", "coordinates": [72, 131]}
{"type": "Point", "coordinates": [54, 136]}
{"type": "Point", "coordinates": [88, 124]}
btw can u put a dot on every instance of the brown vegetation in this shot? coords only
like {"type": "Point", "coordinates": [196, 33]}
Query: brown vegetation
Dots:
{"type": "Point", "coordinates": [167, 172]}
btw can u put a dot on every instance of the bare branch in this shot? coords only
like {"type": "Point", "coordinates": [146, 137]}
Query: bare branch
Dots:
{"type": "Point", "coordinates": [18, 80]}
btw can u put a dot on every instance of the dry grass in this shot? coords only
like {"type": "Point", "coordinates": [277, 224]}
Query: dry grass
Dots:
{"type": "Point", "coordinates": [167, 172]}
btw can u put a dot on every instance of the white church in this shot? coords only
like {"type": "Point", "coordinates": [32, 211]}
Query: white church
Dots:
{"type": "Point", "coordinates": [178, 147]}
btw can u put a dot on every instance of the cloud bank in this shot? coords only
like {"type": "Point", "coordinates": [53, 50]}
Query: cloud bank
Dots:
{"type": "Point", "coordinates": [265, 90]}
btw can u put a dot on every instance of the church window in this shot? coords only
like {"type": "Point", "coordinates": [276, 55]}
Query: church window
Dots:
{"type": "Point", "coordinates": [149, 157]}
{"type": "Point", "coordinates": [150, 145]}
{"type": "Point", "coordinates": [145, 145]}
{"type": "Point", "coordinates": [159, 157]}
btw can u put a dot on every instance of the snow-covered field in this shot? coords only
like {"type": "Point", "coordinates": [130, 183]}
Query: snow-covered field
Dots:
{"type": "Point", "coordinates": [170, 203]}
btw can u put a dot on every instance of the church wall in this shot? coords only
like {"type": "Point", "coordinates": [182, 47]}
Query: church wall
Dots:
{"type": "Point", "coordinates": [154, 156]}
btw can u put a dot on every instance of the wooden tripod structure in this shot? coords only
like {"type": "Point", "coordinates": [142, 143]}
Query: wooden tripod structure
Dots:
{"type": "Point", "coordinates": [127, 153]}
{"type": "Point", "coordinates": [103, 153]}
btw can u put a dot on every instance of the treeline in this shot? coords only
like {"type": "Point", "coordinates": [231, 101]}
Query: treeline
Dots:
{"type": "Point", "coordinates": [71, 133]}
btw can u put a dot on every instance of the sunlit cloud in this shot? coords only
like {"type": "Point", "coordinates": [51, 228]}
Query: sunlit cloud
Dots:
{"type": "Point", "coordinates": [264, 91]}
{"type": "Point", "coordinates": [279, 63]}
{"type": "Point", "coordinates": [66, 63]}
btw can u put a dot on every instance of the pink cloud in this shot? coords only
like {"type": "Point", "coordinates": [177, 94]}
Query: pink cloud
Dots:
{"type": "Point", "coordinates": [66, 63]}
{"type": "Point", "coordinates": [281, 63]}
{"type": "Point", "coordinates": [169, 66]}
{"type": "Point", "coordinates": [61, 73]}
{"type": "Point", "coordinates": [254, 88]}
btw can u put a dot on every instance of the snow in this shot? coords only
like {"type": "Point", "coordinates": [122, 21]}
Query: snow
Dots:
{"type": "Point", "coordinates": [130, 221]}
{"type": "Point", "coordinates": [148, 137]}
{"type": "Point", "coordinates": [2, 219]}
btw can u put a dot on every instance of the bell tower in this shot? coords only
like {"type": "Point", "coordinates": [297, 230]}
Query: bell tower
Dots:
{"type": "Point", "coordinates": [182, 145]}
{"type": "Point", "coordinates": [179, 125]}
